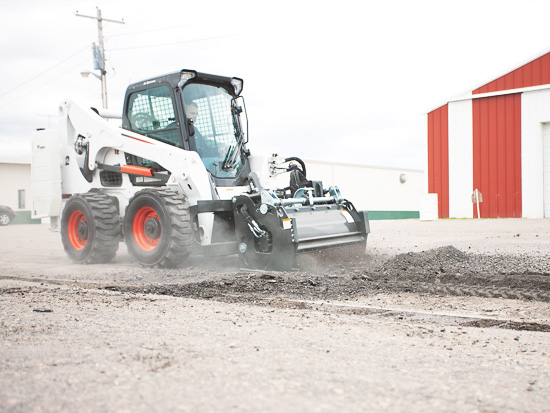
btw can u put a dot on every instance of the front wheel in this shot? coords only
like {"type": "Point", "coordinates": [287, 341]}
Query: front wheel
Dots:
{"type": "Point", "coordinates": [4, 219]}
{"type": "Point", "coordinates": [157, 228]}
{"type": "Point", "coordinates": [90, 228]}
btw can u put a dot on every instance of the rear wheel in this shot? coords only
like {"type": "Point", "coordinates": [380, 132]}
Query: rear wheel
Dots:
{"type": "Point", "coordinates": [157, 228]}
{"type": "Point", "coordinates": [90, 228]}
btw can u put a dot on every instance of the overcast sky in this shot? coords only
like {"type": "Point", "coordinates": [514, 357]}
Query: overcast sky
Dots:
{"type": "Point", "coordinates": [347, 81]}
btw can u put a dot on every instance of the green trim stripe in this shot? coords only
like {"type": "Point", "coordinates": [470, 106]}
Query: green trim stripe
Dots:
{"type": "Point", "coordinates": [380, 215]}
{"type": "Point", "coordinates": [24, 217]}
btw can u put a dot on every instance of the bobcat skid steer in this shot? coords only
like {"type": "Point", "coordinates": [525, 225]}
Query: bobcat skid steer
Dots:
{"type": "Point", "coordinates": [178, 179]}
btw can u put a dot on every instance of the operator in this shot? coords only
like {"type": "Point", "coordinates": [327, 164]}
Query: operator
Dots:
{"type": "Point", "coordinates": [192, 111]}
{"type": "Point", "coordinates": [203, 149]}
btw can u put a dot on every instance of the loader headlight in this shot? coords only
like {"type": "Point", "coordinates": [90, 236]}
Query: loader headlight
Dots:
{"type": "Point", "coordinates": [237, 85]}
{"type": "Point", "coordinates": [185, 75]}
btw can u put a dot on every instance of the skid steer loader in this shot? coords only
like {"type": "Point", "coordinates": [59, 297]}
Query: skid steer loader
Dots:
{"type": "Point", "coordinates": [178, 179]}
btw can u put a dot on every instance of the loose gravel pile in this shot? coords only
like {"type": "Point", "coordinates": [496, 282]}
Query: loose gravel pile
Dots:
{"type": "Point", "coordinates": [346, 274]}
{"type": "Point", "coordinates": [451, 260]}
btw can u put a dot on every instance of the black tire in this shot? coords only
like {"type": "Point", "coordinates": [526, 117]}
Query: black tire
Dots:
{"type": "Point", "coordinates": [90, 228]}
{"type": "Point", "coordinates": [4, 219]}
{"type": "Point", "coordinates": [157, 228]}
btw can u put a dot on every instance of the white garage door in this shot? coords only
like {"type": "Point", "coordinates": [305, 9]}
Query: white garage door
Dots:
{"type": "Point", "coordinates": [546, 151]}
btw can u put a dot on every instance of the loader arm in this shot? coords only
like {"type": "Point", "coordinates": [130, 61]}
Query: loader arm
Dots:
{"type": "Point", "coordinates": [97, 137]}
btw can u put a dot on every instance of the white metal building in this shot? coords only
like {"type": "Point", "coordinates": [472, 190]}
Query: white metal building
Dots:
{"type": "Point", "coordinates": [15, 188]}
{"type": "Point", "coordinates": [387, 193]}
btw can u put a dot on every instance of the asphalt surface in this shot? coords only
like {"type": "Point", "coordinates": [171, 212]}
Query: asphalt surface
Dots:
{"type": "Point", "coordinates": [450, 315]}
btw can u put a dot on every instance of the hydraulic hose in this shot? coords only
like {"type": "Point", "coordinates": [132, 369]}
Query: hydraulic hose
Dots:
{"type": "Point", "coordinates": [302, 164]}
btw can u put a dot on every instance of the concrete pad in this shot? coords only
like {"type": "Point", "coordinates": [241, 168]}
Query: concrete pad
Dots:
{"type": "Point", "coordinates": [487, 236]}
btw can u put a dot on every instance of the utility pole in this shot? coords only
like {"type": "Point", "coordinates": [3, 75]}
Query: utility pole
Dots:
{"type": "Point", "coordinates": [99, 54]}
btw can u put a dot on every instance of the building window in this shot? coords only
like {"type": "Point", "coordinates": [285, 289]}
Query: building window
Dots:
{"type": "Point", "coordinates": [21, 199]}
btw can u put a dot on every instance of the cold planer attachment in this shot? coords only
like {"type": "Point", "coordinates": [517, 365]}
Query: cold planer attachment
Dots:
{"type": "Point", "coordinates": [270, 231]}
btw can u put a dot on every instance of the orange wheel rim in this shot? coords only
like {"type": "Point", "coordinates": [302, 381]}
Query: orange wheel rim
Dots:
{"type": "Point", "coordinates": [147, 229]}
{"type": "Point", "coordinates": [77, 230]}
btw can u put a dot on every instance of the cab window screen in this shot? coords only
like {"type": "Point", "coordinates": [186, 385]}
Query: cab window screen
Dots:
{"type": "Point", "coordinates": [151, 113]}
{"type": "Point", "coordinates": [215, 119]}
{"type": "Point", "coordinates": [216, 126]}
{"type": "Point", "coordinates": [151, 109]}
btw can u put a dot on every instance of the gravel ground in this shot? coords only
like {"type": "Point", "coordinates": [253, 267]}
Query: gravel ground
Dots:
{"type": "Point", "coordinates": [450, 315]}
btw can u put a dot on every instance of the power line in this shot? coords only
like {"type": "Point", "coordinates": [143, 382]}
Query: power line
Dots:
{"type": "Point", "coordinates": [122, 48]}
{"type": "Point", "coordinates": [44, 84]}
{"type": "Point", "coordinates": [44, 72]}
{"type": "Point", "coordinates": [150, 31]}
{"type": "Point", "coordinates": [117, 49]}
{"type": "Point", "coordinates": [174, 43]}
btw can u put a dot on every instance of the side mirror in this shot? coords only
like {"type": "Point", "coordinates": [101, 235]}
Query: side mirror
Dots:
{"type": "Point", "coordinates": [190, 127]}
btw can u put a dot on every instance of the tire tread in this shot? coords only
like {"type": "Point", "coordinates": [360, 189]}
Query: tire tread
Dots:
{"type": "Point", "coordinates": [181, 233]}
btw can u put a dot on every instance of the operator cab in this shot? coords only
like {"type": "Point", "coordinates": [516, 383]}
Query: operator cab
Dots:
{"type": "Point", "coordinates": [197, 112]}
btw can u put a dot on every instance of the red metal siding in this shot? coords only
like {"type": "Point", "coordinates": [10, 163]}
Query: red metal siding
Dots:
{"type": "Point", "coordinates": [534, 73]}
{"type": "Point", "coordinates": [497, 155]}
{"type": "Point", "coordinates": [438, 157]}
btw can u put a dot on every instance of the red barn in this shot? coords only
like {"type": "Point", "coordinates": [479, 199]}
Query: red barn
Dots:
{"type": "Point", "coordinates": [496, 139]}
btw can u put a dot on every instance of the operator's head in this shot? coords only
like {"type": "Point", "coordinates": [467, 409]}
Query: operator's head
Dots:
{"type": "Point", "coordinates": [192, 111]}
